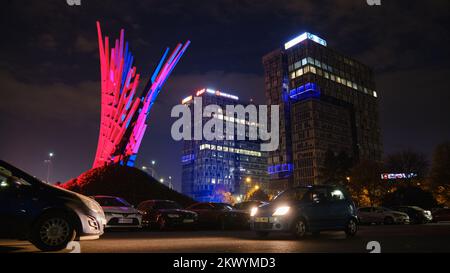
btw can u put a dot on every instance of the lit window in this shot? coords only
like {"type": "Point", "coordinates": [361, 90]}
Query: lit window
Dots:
{"type": "Point", "coordinates": [375, 94]}
{"type": "Point", "coordinates": [299, 72]}
{"type": "Point", "coordinates": [292, 75]}
{"type": "Point", "coordinates": [304, 62]}
{"type": "Point", "coordinates": [313, 69]}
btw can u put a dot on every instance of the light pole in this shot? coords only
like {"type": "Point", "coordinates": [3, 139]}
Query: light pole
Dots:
{"type": "Point", "coordinates": [49, 163]}
{"type": "Point", "coordinates": [170, 182]}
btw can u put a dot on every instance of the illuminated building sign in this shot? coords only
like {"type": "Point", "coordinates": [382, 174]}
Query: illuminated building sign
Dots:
{"type": "Point", "coordinates": [303, 37]}
{"type": "Point", "coordinates": [305, 91]}
{"type": "Point", "coordinates": [280, 168]}
{"type": "Point", "coordinates": [187, 158]}
{"type": "Point", "coordinates": [394, 176]}
{"type": "Point", "coordinates": [186, 100]}
{"type": "Point", "coordinates": [213, 92]}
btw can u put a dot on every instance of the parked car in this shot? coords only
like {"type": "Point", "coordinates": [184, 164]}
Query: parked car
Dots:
{"type": "Point", "coordinates": [47, 216]}
{"type": "Point", "coordinates": [119, 213]}
{"type": "Point", "coordinates": [219, 215]}
{"type": "Point", "coordinates": [441, 215]}
{"type": "Point", "coordinates": [247, 206]}
{"type": "Point", "coordinates": [163, 214]}
{"type": "Point", "coordinates": [306, 209]}
{"type": "Point", "coordinates": [416, 214]}
{"type": "Point", "coordinates": [381, 215]}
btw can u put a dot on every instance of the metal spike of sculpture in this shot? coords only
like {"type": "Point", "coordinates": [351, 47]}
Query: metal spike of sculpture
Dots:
{"type": "Point", "coordinates": [124, 114]}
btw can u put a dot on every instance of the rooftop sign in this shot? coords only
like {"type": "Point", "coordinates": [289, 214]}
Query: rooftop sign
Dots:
{"type": "Point", "coordinates": [303, 37]}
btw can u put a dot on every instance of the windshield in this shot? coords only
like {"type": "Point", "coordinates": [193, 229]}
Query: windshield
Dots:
{"type": "Point", "coordinates": [112, 202]}
{"type": "Point", "coordinates": [167, 205]}
{"type": "Point", "coordinates": [21, 176]}
{"type": "Point", "coordinates": [292, 195]}
{"type": "Point", "coordinates": [222, 206]}
{"type": "Point", "coordinates": [247, 205]}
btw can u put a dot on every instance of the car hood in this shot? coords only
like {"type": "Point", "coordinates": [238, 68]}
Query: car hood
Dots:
{"type": "Point", "coordinates": [178, 211]}
{"type": "Point", "coordinates": [60, 192]}
{"type": "Point", "coordinates": [399, 213]}
{"type": "Point", "coordinates": [126, 210]}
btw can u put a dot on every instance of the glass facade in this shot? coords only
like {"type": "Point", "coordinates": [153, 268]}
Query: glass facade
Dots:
{"type": "Point", "coordinates": [213, 169]}
{"type": "Point", "coordinates": [330, 103]}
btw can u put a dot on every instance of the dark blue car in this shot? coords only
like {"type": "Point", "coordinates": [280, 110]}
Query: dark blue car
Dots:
{"type": "Point", "coordinates": [307, 209]}
{"type": "Point", "coordinates": [47, 216]}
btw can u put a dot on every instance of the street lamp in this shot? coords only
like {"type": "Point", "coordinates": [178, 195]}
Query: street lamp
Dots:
{"type": "Point", "coordinates": [49, 163]}
{"type": "Point", "coordinates": [161, 180]}
{"type": "Point", "coordinates": [170, 182]}
{"type": "Point", "coordinates": [248, 180]}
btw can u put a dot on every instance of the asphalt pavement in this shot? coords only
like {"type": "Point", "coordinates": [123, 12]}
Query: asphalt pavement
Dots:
{"type": "Point", "coordinates": [396, 238]}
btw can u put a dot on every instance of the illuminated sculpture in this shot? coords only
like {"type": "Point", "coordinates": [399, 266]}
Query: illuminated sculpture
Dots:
{"type": "Point", "coordinates": [123, 113]}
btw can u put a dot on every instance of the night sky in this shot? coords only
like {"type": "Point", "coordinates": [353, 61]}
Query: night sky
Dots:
{"type": "Point", "coordinates": [49, 67]}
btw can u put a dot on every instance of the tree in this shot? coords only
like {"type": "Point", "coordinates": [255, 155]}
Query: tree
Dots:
{"type": "Point", "coordinates": [365, 183]}
{"type": "Point", "coordinates": [440, 173]}
{"type": "Point", "coordinates": [335, 168]}
{"type": "Point", "coordinates": [410, 196]}
{"type": "Point", "coordinates": [407, 161]}
{"type": "Point", "coordinates": [259, 195]}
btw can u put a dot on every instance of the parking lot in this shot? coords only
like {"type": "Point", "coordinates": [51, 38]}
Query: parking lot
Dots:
{"type": "Point", "coordinates": [392, 238]}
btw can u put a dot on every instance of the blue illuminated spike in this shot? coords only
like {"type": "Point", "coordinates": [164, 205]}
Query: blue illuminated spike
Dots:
{"type": "Point", "coordinates": [161, 62]}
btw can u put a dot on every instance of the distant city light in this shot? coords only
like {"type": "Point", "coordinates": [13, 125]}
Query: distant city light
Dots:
{"type": "Point", "coordinates": [394, 176]}
{"type": "Point", "coordinates": [303, 37]}
{"type": "Point", "coordinates": [186, 100]}
{"type": "Point", "coordinates": [212, 92]}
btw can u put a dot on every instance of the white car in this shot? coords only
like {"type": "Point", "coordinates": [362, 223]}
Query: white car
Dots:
{"type": "Point", "coordinates": [381, 215]}
{"type": "Point", "coordinates": [119, 213]}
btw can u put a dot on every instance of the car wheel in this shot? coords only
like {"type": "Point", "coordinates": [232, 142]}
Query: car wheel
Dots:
{"type": "Point", "coordinates": [299, 228]}
{"type": "Point", "coordinates": [388, 220]}
{"type": "Point", "coordinates": [351, 228]}
{"type": "Point", "coordinates": [52, 232]}
{"type": "Point", "coordinates": [262, 234]}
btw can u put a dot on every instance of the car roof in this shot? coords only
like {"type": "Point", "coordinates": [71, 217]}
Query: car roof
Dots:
{"type": "Point", "coordinates": [105, 196]}
{"type": "Point", "coordinates": [157, 200]}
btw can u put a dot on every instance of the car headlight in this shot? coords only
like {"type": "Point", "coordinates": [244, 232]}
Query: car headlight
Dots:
{"type": "Point", "coordinates": [253, 211]}
{"type": "Point", "coordinates": [91, 204]}
{"type": "Point", "coordinates": [281, 211]}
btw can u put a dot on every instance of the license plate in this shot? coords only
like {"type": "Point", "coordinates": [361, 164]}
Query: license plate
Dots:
{"type": "Point", "coordinates": [188, 220]}
{"type": "Point", "coordinates": [262, 219]}
{"type": "Point", "coordinates": [125, 221]}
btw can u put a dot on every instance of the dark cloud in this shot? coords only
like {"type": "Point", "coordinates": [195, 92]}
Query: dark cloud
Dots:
{"type": "Point", "coordinates": [49, 67]}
